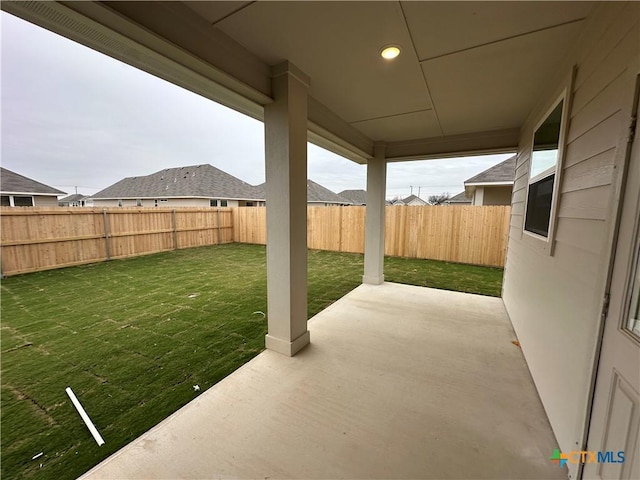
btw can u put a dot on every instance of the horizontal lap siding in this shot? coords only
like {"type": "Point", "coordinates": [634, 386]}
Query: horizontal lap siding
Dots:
{"type": "Point", "coordinates": [553, 301]}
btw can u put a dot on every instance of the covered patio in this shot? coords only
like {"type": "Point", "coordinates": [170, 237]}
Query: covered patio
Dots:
{"type": "Point", "coordinates": [399, 382]}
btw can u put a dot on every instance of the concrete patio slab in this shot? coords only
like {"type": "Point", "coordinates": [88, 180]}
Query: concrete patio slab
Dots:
{"type": "Point", "coordinates": [398, 382]}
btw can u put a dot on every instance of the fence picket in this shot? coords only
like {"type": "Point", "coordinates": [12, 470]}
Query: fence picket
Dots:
{"type": "Point", "coordinates": [41, 238]}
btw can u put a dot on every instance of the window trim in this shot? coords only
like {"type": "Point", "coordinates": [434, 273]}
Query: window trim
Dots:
{"type": "Point", "coordinates": [548, 242]}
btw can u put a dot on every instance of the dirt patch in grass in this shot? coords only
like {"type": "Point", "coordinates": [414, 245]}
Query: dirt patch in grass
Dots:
{"type": "Point", "coordinates": [133, 337]}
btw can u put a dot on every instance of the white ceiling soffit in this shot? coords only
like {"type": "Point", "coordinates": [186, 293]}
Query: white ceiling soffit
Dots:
{"type": "Point", "coordinates": [337, 44]}
{"type": "Point", "coordinates": [495, 85]}
{"type": "Point", "coordinates": [465, 66]}
{"type": "Point", "coordinates": [442, 28]}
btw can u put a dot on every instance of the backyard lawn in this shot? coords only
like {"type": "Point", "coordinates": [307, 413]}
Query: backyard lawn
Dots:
{"type": "Point", "coordinates": [134, 337]}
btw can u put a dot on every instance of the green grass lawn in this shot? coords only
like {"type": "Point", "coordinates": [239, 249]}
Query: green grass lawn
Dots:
{"type": "Point", "coordinates": [132, 338]}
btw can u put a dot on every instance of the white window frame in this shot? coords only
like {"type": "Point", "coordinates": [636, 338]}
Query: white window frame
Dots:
{"type": "Point", "coordinates": [547, 242]}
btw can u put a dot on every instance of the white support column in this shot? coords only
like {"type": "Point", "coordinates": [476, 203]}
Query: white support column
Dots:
{"type": "Point", "coordinates": [478, 196]}
{"type": "Point", "coordinates": [374, 228]}
{"type": "Point", "coordinates": [285, 123]}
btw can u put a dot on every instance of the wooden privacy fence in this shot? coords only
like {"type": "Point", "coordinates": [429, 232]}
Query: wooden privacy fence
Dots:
{"type": "Point", "coordinates": [37, 238]}
{"type": "Point", "coordinates": [465, 234]}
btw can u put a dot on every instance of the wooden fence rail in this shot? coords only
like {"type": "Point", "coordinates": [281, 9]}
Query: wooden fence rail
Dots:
{"type": "Point", "coordinates": [464, 234]}
{"type": "Point", "coordinates": [39, 238]}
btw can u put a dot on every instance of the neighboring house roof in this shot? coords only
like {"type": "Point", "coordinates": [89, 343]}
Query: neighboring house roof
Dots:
{"type": "Point", "coordinates": [413, 200]}
{"type": "Point", "coordinates": [316, 193]}
{"type": "Point", "coordinates": [459, 199]}
{"type": "Point", "coordinates": [76, 197]}
{"type": "Point", "coordinates": [14, 183]}
{"type": "Point", "coordinates": [502, 174]}
{"type": "Point", "coordinates": [357, 197]}
{"type": "Point", "coordinates": [195, 181]}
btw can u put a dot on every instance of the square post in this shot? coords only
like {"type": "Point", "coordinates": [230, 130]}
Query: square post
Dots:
{"type": "Point", "coordinates": [374, 221]}
{"type": "Point", "coordinates": [285, 123]}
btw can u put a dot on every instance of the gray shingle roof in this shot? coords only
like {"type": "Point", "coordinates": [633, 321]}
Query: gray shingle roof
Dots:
{"type": "Point", "coordinates": [319, 194]}
{"type": "Point", "coordinates": [76, 197]}
{"type": "Point", "coordinates": [502, 172]}
{"type": "Point", "coordinates": [12, 182]}
{"type": "Point", "coordinates": [192, 181]}
{"type": "Point", "coordinates": [460, 198]}
{"type": "Point", "coordinates": [357, 197]}
{"type": "Point", "coordinates": [411, 198]}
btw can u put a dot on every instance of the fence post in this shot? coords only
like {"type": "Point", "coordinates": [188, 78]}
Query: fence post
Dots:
{"type": "Point", "coordinates": [105, 220]}
{"type": "Point", "coordinates": [175, 229]}
{"type": "Point", "coordinates": [218, 225]}
{"type": "Point", "coordinates": [340, 230]}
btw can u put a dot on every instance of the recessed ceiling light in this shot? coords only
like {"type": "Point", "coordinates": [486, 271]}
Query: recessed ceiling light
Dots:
{"type": "Point", "coordinates": [390, 52]}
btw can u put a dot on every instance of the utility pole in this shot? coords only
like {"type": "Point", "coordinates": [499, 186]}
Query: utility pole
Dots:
{"type": "Point", "coordinates": [411, 187]}
{"type": "Point", "coordinates": [419, 191]}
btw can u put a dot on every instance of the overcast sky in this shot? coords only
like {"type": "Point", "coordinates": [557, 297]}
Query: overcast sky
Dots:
{"type": "Point", "coordinates": [72, 117]}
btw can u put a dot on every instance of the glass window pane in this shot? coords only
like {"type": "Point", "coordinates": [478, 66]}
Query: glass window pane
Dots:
{"type": "Point", "coordinates": [633, 323]}
{"type": "Point", "coordinates": [23, 201]}
{"type": "Point", "coordinates": [539, 206]}
{"type": "Point", "coordinates": [542, 171]}
{"type": "Point", "coordinates": [542, 160]}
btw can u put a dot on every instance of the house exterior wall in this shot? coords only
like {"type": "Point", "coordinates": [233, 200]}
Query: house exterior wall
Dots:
{"type": "Point", "coordinates": [497, 196]}
{"type": "Point", "coordinates": [9, 199]}
{"type": "Point", "coordinates": [45, 201]}
{"type": "Point", "coordinates": [554, 297]}
{"type": "Point", "coordinates": [478, 196]}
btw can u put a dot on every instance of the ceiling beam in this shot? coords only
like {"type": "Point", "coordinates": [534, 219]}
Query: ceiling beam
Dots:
{"type": "Point", "coordinates": [328, 130]}
{"type": "Point", "coordinates": [477, 143]}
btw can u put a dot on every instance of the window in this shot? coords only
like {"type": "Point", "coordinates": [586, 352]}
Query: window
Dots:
{"type": "Point", "coordinates": [5, 202]}
{"type": "Point", "coordinates": [543, 172]}
{"type": "Point", "coordinates": [249, 204]}
{"type": "Point", "coordinates": [213, 203]}
{"type": "Point", "coordinates": [223, 203]}
{"type": "Point", "coordinates": [633, 318]}
{"type": "Point", "coordinates": [119, 203]}
{"type": "Point", "coordinates": [22, 201]}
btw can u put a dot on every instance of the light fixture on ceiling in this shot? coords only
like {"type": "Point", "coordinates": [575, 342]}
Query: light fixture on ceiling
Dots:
{"type": "Point", "coordinates": [390, 52]}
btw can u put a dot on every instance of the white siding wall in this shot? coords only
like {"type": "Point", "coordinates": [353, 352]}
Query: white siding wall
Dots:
{"type": "Point", "coordinates": [497, 196]}
{"type": "Point", "coordinates": [45, 201]}
{"type": "Point", "coordinates": [554, 300]}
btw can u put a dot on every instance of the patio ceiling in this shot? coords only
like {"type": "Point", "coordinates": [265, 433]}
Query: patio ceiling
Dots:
{"type": "Point", "coordinates": [468, 75]}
